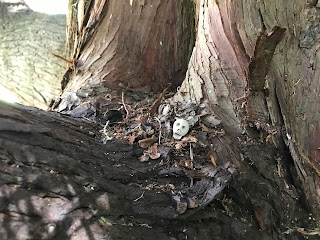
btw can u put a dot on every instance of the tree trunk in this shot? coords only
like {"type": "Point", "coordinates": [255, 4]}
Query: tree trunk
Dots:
{"type": "Point", "coordinates": [237, 74]}
{"type": "Point", "coordinates": [59, 182]}
{"type": "Point", "coordinates": [243, 67]}
{"type": "Point", "coordinates": [232, 65]}
{"type": "Point", "coordinates": [27, 68]}
{"type": "Point", "coordinates": [132, 44]}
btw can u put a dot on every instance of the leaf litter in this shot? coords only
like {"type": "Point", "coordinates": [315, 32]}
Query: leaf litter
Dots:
{"type": "Point", "coordinates": [146, 121]}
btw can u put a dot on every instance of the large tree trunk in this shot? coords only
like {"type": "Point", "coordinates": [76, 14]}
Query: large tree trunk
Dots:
{"type": "Point", "coordinates": [27, 68]}
{"type": "Point", "coordinates": [231, 66]}
{"type": "Point", "coordinates": [238, 70]}
{"type": "Point", "coordinates": [129, 44]}
{"type": "Point", "coordinates": [58, 181]}
{"type": "Point", "coordinates": [243, 66]}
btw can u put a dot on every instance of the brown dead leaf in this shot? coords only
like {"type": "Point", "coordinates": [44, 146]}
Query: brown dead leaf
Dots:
{"type": "Point", "coordinates": [131, 139]}
{"type": "Point", "coordinates": [304, 117]}
{"type": "Point", "coordinates": [153, 152]}
{"type": "Point", "coordinates": [187, 139]}
{"type": "Point", "coordinates": [213, 160]}
{"type": "Point", "coordinates": [268, 138]}
{"type": "Point", "coordinates": [164, 151]}
{"type": "Point", "coordinates": [185, 163]}
{"type": "Point", "coordinates": [147, 142]}
{"type": "Point", "coordinates": [179, 145]}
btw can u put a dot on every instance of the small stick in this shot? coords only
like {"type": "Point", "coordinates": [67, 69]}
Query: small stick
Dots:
{"type": "Point", "coordinates": [124, 105]}
{"type": "Point", "coordinates": [139, 197]}
{"type": "Point", "coordinates": [191, 158]}
{"type": "Point", "coordinates": [160, 129]}
{"type": "Point", "coordinates": [62, 58]}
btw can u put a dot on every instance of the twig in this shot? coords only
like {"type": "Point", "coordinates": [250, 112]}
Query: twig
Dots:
{"type": "Point", "coordinates": [160, 128]}
{"type": "Point", "coordinates": [191, 158]}
{"type": "Point", "coordinates": [124, 105]}
{"type": "Point", "coordinates": [105, 128]}
{"type": "Point", "coordinates": [62, 58]}
{"type": "Point", "coordinates": [139, 197]}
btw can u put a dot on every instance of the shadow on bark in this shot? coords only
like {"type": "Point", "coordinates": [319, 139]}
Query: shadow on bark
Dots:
{"type": "Point", "coordinates": [59, 182]}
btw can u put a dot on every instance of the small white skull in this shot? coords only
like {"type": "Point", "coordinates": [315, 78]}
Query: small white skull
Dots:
{"type": "Point", "coordinates": [180, 128]}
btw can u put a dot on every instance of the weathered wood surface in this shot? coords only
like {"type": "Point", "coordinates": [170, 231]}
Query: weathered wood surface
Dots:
{"type": "Point", "coordinates": [129, 44]}
{"type": "Point", "coordinates": [57, 180]}
{"type": "Point", "coordinates": [27, 68]}
{"type": "Point", "coordinates": [219, 71]}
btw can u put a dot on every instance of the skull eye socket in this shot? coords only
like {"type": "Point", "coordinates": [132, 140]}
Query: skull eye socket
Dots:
{"type": "Point", "coordinates": [178, 124]}
{"type": "Point", "coordinates": [183, 126]}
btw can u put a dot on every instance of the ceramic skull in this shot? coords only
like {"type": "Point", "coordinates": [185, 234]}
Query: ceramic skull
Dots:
{"type": "Point", "coordinates": [180, 128]}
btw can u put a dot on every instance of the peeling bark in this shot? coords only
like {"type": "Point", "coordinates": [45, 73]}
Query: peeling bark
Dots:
{"type": "Point", "coordinates": [259, 66]}
{"type": "Point", "coordinates": [219, 72]}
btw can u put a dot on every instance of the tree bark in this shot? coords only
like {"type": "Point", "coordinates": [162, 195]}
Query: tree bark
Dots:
{"type": "Point", "coordinates": [58, 181]}
{"type": "Point", "coordinates": [237, 71]}
{"type": "Point", "coordinates": [27, 68]}
{"type": "Point", "coordinates": [231, 71]}
{"type": "Point", "coordinates": [62, 182]}
{"type": "Point", "coordinates": [132, 44]}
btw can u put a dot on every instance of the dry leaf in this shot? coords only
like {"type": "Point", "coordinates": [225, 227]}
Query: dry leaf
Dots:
{"type": "Point", "coordinates": [186, 139]}
{"type": "Point", "coordinates": [304, 117]}
{"type": "Point", "coordinates": [189, 138]}
{"type": "Point", "coordinates": [268, 138]}
{"type": "Point", "coordinates": [147, 142]}
{"type": "Point", "coordinates": [131, 139]}
{"type": "Point", "coordinates": [179, 145]}
{"type": "Point", "coordinates": [213, 160]}
{"type": "Point", "coordinates": [144, 157]}
{"type": "Point", "coordinates": [185, 163]}
{"type": "Point", "coordinates": [153, 152]}
{"type": "Point", "coordinates": [164, 151]}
